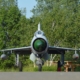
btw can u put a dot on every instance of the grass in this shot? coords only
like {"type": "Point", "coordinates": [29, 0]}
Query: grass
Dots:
{"type": "Point", "coordinates": [46, 68]}
{"type": "Point", "coordinates": [29, 68]}
{"type": "Point", "coordinates": [9, 70]}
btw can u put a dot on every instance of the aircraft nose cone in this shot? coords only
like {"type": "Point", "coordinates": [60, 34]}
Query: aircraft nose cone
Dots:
{"type": "Point", "coordinates": [39, 45]}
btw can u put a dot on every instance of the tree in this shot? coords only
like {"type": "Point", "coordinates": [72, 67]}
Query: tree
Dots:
{"type": "Point", "coordinates": [10, 16]}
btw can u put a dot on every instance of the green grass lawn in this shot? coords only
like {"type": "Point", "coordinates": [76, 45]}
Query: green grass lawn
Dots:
{"type": "Point", "coordinates": [29, 68]}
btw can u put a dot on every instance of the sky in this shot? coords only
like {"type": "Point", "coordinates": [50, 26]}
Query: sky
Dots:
{"type": "Point", "coordinates": [28, 4]}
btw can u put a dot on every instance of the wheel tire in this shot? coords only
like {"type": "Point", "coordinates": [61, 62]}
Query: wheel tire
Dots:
{"type": "Point", "coordinates": [20, 66]}
{"type": "Point", "coordinates": [39, 67]}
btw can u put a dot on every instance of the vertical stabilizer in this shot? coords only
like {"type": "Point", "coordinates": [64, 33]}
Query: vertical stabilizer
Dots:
{"type": "Point", "coordinates": [39, 27]}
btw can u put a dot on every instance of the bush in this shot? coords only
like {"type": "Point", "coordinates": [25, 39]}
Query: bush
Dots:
{"type": "Point", "coordinates": [77, 68]}
{"type": "Point", "coordinates": [8, 63]}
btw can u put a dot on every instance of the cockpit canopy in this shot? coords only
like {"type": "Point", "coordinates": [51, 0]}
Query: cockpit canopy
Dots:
{"type": "Point", "coordinates": [39, 33]}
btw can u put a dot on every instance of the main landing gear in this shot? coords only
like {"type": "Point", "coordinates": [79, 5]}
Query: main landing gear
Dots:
{"type": "Point", "coordinates": [18, 63]}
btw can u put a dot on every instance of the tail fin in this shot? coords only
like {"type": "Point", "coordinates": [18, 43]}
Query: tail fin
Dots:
{"type": "Point", "coordinates": [39, 27]}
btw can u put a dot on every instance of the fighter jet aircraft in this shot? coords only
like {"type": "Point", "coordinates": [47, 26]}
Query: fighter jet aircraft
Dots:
{"type": "Point", "coordinates": [39, 50]}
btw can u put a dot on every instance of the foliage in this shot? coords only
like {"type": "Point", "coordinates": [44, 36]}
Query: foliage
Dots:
{"type": "Point", "coordinates": [8, 63]}
{"type": "Point", "coordinates": [77, 69]}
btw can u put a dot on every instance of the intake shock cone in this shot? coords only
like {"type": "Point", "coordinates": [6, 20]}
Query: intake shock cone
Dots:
{"type": "Point", "coordinates": [39, 45]}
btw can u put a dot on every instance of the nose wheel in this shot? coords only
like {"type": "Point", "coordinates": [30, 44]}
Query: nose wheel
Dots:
{"type": "Point", "coordinates": [39, 63]}
{"type": "Point", "coordinates": [39, 67]}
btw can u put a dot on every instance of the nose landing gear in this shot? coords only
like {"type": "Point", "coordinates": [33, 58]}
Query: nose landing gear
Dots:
{"type": "Point", "coordinates": [39, 63]}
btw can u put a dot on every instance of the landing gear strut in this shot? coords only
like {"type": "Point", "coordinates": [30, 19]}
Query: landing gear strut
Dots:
{"type": "Point", "coordinates": [18, 63]}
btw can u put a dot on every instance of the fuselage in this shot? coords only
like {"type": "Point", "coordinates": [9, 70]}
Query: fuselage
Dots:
{"type": "Point", "coordinates": [39, 43]}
